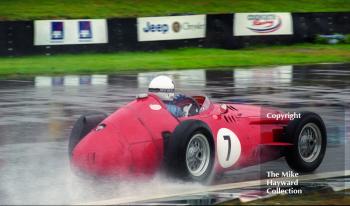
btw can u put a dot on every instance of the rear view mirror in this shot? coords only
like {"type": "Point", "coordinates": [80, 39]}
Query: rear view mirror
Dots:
{"type": "Point", "coordinates": [223, 108]}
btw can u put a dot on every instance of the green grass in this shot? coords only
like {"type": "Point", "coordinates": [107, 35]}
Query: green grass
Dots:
{"type": "Point", "coordinates": [173, 59]}
{"type": "Point", "coordinates": [49, 9]}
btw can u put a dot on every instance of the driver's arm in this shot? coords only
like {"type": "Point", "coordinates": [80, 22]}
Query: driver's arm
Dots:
{"type": "Point", "coordinates": [175, 110]}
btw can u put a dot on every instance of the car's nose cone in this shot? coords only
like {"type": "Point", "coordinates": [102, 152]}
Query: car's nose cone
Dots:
{"type": "Point", "coordinates": [101, 153]}
{"type": "Point", "coordinates": [124, 144]}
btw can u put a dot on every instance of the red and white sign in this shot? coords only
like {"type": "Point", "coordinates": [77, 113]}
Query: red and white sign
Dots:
{"type": "Point", "coordinates": [255, 24]}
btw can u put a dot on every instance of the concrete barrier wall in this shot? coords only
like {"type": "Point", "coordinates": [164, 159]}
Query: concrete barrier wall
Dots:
{"type": "Point", "coordinates": [17, 37]}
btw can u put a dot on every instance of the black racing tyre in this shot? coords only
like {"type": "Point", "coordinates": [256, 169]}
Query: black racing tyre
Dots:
{"type": "Point", "coordinates": [82, 127]}
{"type": "Point", "coordinates": [190, 151]}
{"type": "Point", "coordinates": [309, 137]}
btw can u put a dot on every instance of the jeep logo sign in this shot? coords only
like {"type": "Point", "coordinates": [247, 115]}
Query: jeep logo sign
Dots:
{"type": "Point", "coordinates": [252, 24]}
{"type": "Point", "coordinates": [163, 28]}
{"type": "Point", "coordinates": [171, 27]}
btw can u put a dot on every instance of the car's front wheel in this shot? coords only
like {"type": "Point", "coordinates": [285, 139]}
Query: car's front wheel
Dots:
{"type": "Point", "coordinates": [190, 152]}
{"type": "Point", "coordinates": [198, 155]}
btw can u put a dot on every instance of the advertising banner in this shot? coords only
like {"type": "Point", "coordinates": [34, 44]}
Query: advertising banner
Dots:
{"type": "Point", "coordinates": [171, 27]}
{"type": "Point", "coordinates": [79, 31]}
{"type": "Point", "coordinates": [255, 24]}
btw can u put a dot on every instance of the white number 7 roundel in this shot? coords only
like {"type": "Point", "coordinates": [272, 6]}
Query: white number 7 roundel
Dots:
{"type": "Point", "coordinates": [228, 147]}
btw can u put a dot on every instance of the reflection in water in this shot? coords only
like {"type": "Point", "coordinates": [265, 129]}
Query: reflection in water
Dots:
{"type": "Point", "coordinates": [245, 78]}
{"type": "Point", "coordinates": [70, 80]}
{"type": "Point", "coordinates": [37, 115]}
{"type": "Point", "coordinates": [193, 79]}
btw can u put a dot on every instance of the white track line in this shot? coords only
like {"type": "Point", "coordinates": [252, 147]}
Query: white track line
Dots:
{"type": "Point", "coordinates": [215, 188]}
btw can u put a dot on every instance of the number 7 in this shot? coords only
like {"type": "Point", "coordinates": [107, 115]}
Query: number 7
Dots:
{"type": "Point", "coordinates": [226, 137]}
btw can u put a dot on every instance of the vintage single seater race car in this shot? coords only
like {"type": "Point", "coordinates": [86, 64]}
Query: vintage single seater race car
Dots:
{"type": "Point", "coordinates": [143, 136]}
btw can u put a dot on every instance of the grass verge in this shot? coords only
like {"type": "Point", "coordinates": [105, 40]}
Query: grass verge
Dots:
{"type": "Point", "coordinates": [53, 9]}
{"type": "Point", "coordinates": [187, 58]}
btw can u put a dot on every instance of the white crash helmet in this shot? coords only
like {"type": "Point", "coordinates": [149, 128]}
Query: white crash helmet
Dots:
{"type": "Point", "coordinates": [163, 87]}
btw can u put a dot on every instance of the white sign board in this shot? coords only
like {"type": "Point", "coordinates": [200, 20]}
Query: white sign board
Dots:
{"type": "Point", "coordinates": [171, 27]}
{"type": "Point", "coordinates": [79, 31]}
{"type": "Point", "coordinates": [255, 24]}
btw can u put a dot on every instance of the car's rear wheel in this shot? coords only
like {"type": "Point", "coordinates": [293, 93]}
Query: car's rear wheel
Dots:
{"type": "Point", "coordinates": [189, 152]}
{"type": "Point", "coordinates": [82, 127]}
{"type": "Point", "coordinates": [309, 137]}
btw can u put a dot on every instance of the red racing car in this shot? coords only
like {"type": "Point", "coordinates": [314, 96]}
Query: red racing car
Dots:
{"type": "Point", "coordinates": [143, 136]}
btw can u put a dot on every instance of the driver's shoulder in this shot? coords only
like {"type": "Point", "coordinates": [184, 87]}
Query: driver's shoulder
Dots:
{"type": "Point", "coordinates": [179, 97]}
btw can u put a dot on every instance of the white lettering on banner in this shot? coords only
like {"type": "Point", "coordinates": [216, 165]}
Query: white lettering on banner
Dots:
{"type": "Point", "coordinates": [171, 27]}
{"type": "Point", "coordinates": [79, 31]}
{"type": "Point", "coordinates": [282, 116]}
{"type": "Point", "coordinates": [251, 24]}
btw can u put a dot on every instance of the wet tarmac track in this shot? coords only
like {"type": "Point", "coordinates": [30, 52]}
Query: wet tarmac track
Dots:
{"type": "Point", "coordinates": [37, 114]}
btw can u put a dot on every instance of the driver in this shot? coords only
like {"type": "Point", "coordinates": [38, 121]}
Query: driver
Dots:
{"type": "Point", "coordinates": [164, 88]}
